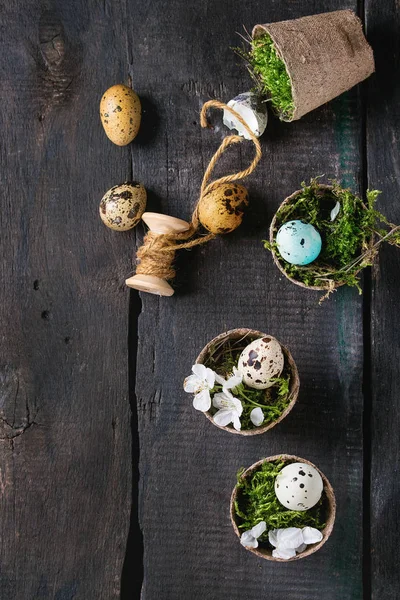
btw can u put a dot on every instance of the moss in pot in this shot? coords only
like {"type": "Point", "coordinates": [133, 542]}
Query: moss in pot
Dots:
{"type": "Point", "coordinates": [351, 231]}
{"type": "Point", "coordinates": [265, 524]}
{"type": "Point", "coordinates": [221, 390]}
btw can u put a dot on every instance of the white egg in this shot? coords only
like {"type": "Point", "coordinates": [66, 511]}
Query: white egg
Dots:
{"type": "Point", "coordinates": [260, 362]}
{"type": "Point", "coordinates": [298, 486]}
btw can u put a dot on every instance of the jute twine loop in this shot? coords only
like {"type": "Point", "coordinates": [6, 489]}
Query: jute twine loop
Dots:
{"type": "Point", "coordinates": [156, 255]}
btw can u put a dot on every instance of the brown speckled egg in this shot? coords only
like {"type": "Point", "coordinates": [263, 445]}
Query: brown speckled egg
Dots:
{"type": "Point", "coordinates": [120, 113]}
{"type": "Point", "coordinates": [123, 205]}
{"type": "Point", "coordinates": [221, 210]}
{"type": "Point", "coordinates": [260, 362]}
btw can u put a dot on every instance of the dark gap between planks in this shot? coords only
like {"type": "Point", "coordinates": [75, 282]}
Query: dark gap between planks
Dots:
{"type": "Point", "coordinates": [367, 364]}
{"type": "Point", "coordinates": [132, 570]}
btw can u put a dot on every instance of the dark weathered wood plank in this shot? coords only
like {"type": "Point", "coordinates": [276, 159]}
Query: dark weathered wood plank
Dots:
{"type": "Point", "coordinates": [65, 447]}
{"type": "Point", "coordinates": [383, 126]}
{"type": "Point", "coordinates": [188, 467]}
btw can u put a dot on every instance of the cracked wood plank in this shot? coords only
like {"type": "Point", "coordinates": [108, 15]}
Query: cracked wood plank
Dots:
{"type": "Point", "coordinates": [188, 467]}
{"type": "Point", "coordinates": [65, 447]}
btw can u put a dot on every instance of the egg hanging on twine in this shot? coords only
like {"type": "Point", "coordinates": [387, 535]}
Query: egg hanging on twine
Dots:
{"type": "Point", "coordinates": [120, 113]}
{"type": "Point", "coordinates": [122, 206]}
{"type": "Point", "coordinates": [221, 209]}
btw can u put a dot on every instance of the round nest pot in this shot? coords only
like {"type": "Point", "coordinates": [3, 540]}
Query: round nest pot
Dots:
{"type": "Point", "coordinates": [328, 286]}
{"type": "Point", "coordinates": [331, 509]}
{"type": "Point", "coordinates": [244, 337]}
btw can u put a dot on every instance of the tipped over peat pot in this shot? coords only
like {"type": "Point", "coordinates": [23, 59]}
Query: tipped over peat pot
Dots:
{"type": "Point", "coordinates": [328, 503]}
{"type": "Point", "coordinates": [324, 55]}
{"type": "Point", "coordinates": [236, 340]}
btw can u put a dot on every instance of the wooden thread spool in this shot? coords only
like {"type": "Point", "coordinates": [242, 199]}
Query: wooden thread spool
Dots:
{"type": "Point", "coordinates": [167, 234]}
{"type": "Point", "coordinates": [159, 225]}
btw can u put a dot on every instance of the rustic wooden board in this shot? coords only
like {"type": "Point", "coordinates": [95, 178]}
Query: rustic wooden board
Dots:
{"type": "Point", "coordinates": [181, 58]}
{"type": "Point", "coordinates": [383, 123]}
{"type": "Point", "coordinates": [65, 448]}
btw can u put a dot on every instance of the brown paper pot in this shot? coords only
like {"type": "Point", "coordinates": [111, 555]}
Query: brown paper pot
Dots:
{"type": "Point", "coordinates": [280, 262]}
{"type": "Point", "coordinates": [324, 54]}
{"type": "Point", "coordinates": [248, 335]}
{"type": "Point", "coordinates": [331, 510]}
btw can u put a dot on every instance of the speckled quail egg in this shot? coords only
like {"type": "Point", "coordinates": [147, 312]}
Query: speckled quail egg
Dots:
{"type": "Point", "coordinates": [120, 113]}
{"type": "Point", "coordinates": [298, 486]}
{"type": "Point", "coordinates": [221, 209]}
{"type": "Point", "coordinates": [123, 205]}
{"type": "Point", "coordinates": [298, 243]}
{"type": "Point", "coordinates": [260, 362]}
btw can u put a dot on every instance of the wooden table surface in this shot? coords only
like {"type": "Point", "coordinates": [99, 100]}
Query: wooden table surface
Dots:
{"type": "Point", "coordinates": [112, 485]}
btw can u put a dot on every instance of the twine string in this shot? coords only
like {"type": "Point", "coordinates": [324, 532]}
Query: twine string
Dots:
{"type": "Point", "coordinates": [156, 255]}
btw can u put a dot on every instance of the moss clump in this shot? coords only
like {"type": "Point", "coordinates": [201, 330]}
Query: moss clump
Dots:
{"type": "Point", "coordinates": [270, 75]}
{"type": "Point", "coordinates": [256, 501]}
{"type": "Point", "coordinates": [273, 401]}
{"type": "Point", "coordinates": [349, 242]}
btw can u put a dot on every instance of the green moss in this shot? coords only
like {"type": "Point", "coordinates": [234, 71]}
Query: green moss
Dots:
{"type": "Point", "coordinates": [256, 501]}
{"type": "Point", "coordinates": [273, 401]}
{"type": "Point", "coordinates": [269, 72]}
{"type": "Point", "coordinates": [349, 243]}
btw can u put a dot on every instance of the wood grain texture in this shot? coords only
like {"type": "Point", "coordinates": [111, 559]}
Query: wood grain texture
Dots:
{"type": "Point", "coordinates": [187, 466]}
{"type": "Point", "coordinates": [65, 473]}
{"type": "Point", "coordinates": [383, 139]}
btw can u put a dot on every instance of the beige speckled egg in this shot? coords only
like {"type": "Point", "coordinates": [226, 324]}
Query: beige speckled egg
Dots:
{"type": "Point", "coordinates": [123, 205]}
{"type": "Point", "coordinates": [221, 210]}
{"type": "Point", "coordinates": [120, 113]}
{"type": "Point", "coordinates": [260, 362]}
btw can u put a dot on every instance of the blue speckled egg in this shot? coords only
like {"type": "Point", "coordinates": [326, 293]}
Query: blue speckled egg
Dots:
{"type": "Point", "coordinates": [298, 243]}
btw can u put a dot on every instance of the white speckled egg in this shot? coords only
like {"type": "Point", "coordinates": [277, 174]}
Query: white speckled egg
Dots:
{"type": "Point", "coordinates": [260, 362]}
{"type": "Point", "coordinates": [298, 243]}
{"type": "Point", "coordinates": [298, 486]}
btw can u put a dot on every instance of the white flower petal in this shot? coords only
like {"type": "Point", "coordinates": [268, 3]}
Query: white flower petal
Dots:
{"type": "Point", "coordinates": [335, 211]}
{"type": "Point", "coordinates": [272, 538]}
{"type": "Point", "coordinates": [257, 416]}
{"type": "Point", "coordinates": [291, 537]}
{"type": "Point", "coordinates": [237, 406]}
{"type": "Point", "coordinates": [219, 379]}
{"type": "Point", "coordinates": [284, 553]}
{"type": "Point", "coordinates": [236, 421]}
{"type": "Point", "coordinates": [210, 378]}
{"type": "Point", "coordinates": [311, 535]}
{"type": "Point", "coordinates": [223, 400]}
{"type": "Point", "coordinates": [200, 371]}
{"type": "Point", "coordinates": [191, 384]}
{"type": "Point", "coordinates": [259, 529]}
{"type": "Point", "coordinates": [301, 548]}
{"type": "Point", "coordinates": [248, 540]}
{"type": "Point", "coordinates": [233, 381]}
{"type": "Point", "coordinates": [202, 401]}
{"type": "Point", "coordinates": [223, 417]}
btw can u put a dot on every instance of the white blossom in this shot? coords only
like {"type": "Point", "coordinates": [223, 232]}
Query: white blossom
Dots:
{"type": "Point", "coordinates": [292, 540]}
{"type": "Point", "coordinates": [200, 383]}
{"type": "Point", "coordinates": [230, 409]}
{"type": "Point", "coordinates": [249, 538]}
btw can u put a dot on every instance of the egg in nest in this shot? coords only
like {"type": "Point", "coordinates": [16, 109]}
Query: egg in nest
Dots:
{"type": "Point", "coordinates": [120, 113]}
{"type": "Point", "coordinates": [261, 362]}
{"type": "Point", "coordinates": [121, 208]}
{"type": "Point", "coordinates": [298, 486]}
{"type": "Point", "coordinates": [221, 209]}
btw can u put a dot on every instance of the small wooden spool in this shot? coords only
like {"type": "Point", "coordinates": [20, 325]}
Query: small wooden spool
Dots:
{"type": "Point", "coordinates": [331, 509]}
{"type": "Point", "coordinates": [161, 225]}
